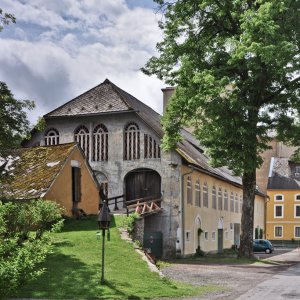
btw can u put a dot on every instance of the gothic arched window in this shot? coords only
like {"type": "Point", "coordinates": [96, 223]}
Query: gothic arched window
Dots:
{"type": "Point", "coordinates": [132, 142]}
{"type": "Point", "coordinates": [100, 143]}
{"type": "Point", "coordinates": [81, 136]}
{"type": "Point", "coordinates": [51, 137]}
{"type": "Point", "coordinates": [197, 193]}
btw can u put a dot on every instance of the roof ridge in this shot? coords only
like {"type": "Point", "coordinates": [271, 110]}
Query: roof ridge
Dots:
{"type": "Point", "coordinates": [61, 106]}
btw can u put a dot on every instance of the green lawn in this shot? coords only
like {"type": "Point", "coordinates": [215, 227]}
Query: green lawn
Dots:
{"type": "Point", "coordinates": [73, 270]}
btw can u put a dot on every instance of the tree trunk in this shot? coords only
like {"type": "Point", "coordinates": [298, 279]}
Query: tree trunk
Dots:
{"type": "Point", "coordinates": [249, 184]}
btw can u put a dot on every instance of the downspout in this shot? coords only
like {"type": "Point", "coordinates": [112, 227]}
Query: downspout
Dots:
{"type": "Point", "coordinates": [182, 208]}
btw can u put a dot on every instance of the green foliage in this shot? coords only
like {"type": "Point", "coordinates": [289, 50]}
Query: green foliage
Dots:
{"type": "Point", "coordinates": [128, 222]}
{"type": "Point", "coordinates": [6, 18]}
{"type": "Point", "coordinates": [13, 119]}
{"type": "Point", "coordinates": [23, 246]}
{"type": "Point", "coordinates": [236, 67]}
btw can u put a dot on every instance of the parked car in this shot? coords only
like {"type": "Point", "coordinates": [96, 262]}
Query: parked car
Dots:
{"type": "Point", "coordinates": [262, 246]}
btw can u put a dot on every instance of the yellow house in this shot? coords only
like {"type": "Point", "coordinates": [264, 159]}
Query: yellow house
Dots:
{"type": "Point", "coordinates": [59, 173]}
{"type": "Point", "coordinates": [212, 206]}
{"type": "Point", "coordinates": [283, 205]}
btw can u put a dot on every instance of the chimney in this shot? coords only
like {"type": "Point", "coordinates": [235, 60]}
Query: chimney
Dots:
{"type": "Point", "coordinates": [167, 94]}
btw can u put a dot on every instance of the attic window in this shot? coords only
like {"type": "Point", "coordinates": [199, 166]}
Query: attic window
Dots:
{"type": "Point", "coordinates": [96, 106]}
{"type": "Point", "coordinates": [51, 137]}
{"type": "Point", "coordinates": [100, 143]}
{"type": "Point", "coordinates": [132, 142]}
{"type": "Point", "coordinates": [69, 109]}
{"type": "Point", "coordinates": [82, 108]}
{"type": "Point", "coordinates": [109, 106]}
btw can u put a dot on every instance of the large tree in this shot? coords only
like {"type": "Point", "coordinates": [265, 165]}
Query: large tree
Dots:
{"type": "Point", "coordinates": [236, 67]}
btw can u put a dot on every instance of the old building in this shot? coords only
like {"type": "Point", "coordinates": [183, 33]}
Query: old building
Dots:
{"type": "Point", "coordinates": [59, 173]}
{"type": "Point", "coordinates": [283, 205]}
{"type": "Point", "coordinates": [121, 138]}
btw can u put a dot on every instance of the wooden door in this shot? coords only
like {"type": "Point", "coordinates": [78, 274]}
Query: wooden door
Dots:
{"type": "Point", "coordinates": [143, 183]}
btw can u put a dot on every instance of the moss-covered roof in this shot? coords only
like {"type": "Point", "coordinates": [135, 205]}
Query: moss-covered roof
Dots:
{"type": "Point", "coordinates": [32, 170]}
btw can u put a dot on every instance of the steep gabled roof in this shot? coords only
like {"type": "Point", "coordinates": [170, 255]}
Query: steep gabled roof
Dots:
{"type": "Point", "coordinates": [107, 98]}
{"type": "Point", "coordinates": [32, 170]}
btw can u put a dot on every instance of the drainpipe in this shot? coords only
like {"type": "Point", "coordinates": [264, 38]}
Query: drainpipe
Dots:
{"type": "Point", "coordinates": [182, 209]}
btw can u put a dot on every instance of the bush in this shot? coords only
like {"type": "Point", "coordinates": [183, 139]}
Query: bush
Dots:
{"type": "Point", "coordinates": [23, 244]}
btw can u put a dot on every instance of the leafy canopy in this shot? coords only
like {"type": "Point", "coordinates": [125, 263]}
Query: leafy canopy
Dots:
{"type": "Point", "coordinates": [236, 67]}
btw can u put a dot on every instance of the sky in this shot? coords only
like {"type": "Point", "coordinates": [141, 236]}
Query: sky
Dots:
{"type": "Point", "coordinates": [59, 49]}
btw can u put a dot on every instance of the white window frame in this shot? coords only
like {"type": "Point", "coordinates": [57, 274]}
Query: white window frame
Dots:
{"type": "Point", "coordinates": [206, 236]}
{"type": "Point", "coordinates": [297, 237]}
{"type": "Point", "coordinates": [278, 237]}
{"type": "Point", "coordinates": [296, 197]}
{"type": "Point", "coordinates": [297, 217]}
{"type": "Point", "coordinates": [275, 200]}
{"type": "Point", "coordinates": [276, 217]}
{"type": "Point", "coordinates": [213, 236]}
{"type": "Point", "coordinates": [188, 236]}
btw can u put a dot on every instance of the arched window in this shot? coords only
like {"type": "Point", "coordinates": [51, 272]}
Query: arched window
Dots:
{"type": "Point", "coordinates": [197, 193]}
{"type": "Point", "coordinates": [241, 203]}
{"type": "Point", "coordinates": [51, 137]}
{"type": "Point", "coordinates": [225, 200]}
{"type": "Point", "coordinates": [189, 194]}
{"type": "Point", "coordinates": [220, 199]}
{"type": "Point", "coordinates": [151, 147]}
{"type": "Point", "coordinates": [81, 136]}
{"type": "Point", "coordinates": [100, 143]}
{"type": "Point", "coordinates": [236, 203]}
{"type": "Point", "coordinates": [231, 202]}
{"type": "Point", "coordinates": [214, 198]}
{"type": "Point", "coordinates": [132, 142]}
{"type": "Point", "coordinates": [205, 195]}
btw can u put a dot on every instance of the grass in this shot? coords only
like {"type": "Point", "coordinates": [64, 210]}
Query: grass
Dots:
{"type": "Point", "coordinates": [73, 270]}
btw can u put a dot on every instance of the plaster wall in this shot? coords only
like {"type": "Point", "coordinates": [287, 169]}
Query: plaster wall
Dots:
{"type": "Point", "coordinates": [61, 190]}
{"type": "Point", "coordinates": [289, 221]}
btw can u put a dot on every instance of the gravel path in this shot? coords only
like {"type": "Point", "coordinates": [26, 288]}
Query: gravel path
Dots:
{"type": "Point", "coordinates": [236, 279]}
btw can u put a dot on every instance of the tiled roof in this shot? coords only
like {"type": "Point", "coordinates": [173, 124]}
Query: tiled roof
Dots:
{"type": "Point", "coordinates": [108, 98]}
{"type": "Point", "coordinates": [32, 170]}
{"type": "Point", "coordinates": [281, 176]}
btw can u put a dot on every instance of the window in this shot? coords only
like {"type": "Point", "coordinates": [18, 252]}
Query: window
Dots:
{"type": "Point", "coordinates": [197, 193]}
{"type": "Point", "coordinates": [297, 197]}
{"type": "Point", "coordinates": [236, 203]}
{"type": "Point", "coordinates": [188, 236]}
{"type": "Point", "coordinates": [297, 211]}
{"type": "Point", "coordinates": [231, 202]}
{"type": "Point", "coordinates": [278, 198]}
{"type": "Point", "coordinates": [206, 235]}
{"type": "Point", "coordinates": [189, 195]}
{"type": "Point", "coordinates": [100, 143]}
{"type": "Point", "coordinates": [225, 200]}
{"type": "Point", "coordinates": [213, 236]}
{"type": "Point", "coordinates": [132, 142]}
{"type": "Point", "coordinates": [205, 195]}
{"type": "Point", "coordinates": [278, 211]}
{"type": "Point", "coordinates": [226, 235]}
{"type": "Point", "coordinates": [76, 184]}
{"type": "Point", "coordinates": [278, 231]}
{"type": "Point", "coordinates": [220, 199]}
{"type": "Point", "coordinates": [51, 137]}
{"type": "Point", "coordinates": [151, 147]}
{"type": "Point", "coordinates": [82, 137]}
{"type": "Point", "coordinates": [297, 232]}
{"type": "Point", "coordinates": [214, 198]}
{"type": "Point", "coordinates": [241, 203]}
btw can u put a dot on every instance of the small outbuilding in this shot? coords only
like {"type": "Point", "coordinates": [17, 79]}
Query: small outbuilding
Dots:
{"type": "Point", "coordinates": [59, 173]}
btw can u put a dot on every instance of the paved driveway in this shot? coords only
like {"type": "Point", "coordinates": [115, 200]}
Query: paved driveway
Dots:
{"type": "Point", "coordinates": [236, 279]}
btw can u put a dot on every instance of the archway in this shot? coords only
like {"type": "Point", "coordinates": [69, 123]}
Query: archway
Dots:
{"type": "Point", "coordinates": [142, 183]}
{"type": "Point", "coordinates": [197, 233]}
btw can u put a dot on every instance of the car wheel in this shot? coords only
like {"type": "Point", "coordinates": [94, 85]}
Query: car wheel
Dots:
{"type": "Point", "coordinates": [268, 251]}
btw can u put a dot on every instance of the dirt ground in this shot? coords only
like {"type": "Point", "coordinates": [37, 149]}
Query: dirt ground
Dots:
{"type": "Point", "coordinates": [235, 279]}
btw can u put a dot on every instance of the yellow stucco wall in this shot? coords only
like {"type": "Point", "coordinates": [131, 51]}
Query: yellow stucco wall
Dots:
{"type": "Point", "coordinates": [209, 219]}
{"type": "Point", "coordinates": [61, 189]}
{"type": "Point", "coordinates": [288, 221]}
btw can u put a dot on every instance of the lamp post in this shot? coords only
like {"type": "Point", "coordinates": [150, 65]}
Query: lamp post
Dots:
{"type": "Point", "coordinates": [103, 222]}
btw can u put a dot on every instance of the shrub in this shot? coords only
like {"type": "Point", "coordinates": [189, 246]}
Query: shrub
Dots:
{"type": "Point", "coordinates": [23, 244]}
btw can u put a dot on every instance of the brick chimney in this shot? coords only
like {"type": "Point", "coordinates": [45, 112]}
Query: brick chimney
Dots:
{"type": "Point", "coordinates": [167, 94]}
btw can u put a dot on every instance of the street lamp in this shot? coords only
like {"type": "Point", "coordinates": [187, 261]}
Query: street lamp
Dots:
{"type": "Point", "coordinates": [103, 222]}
